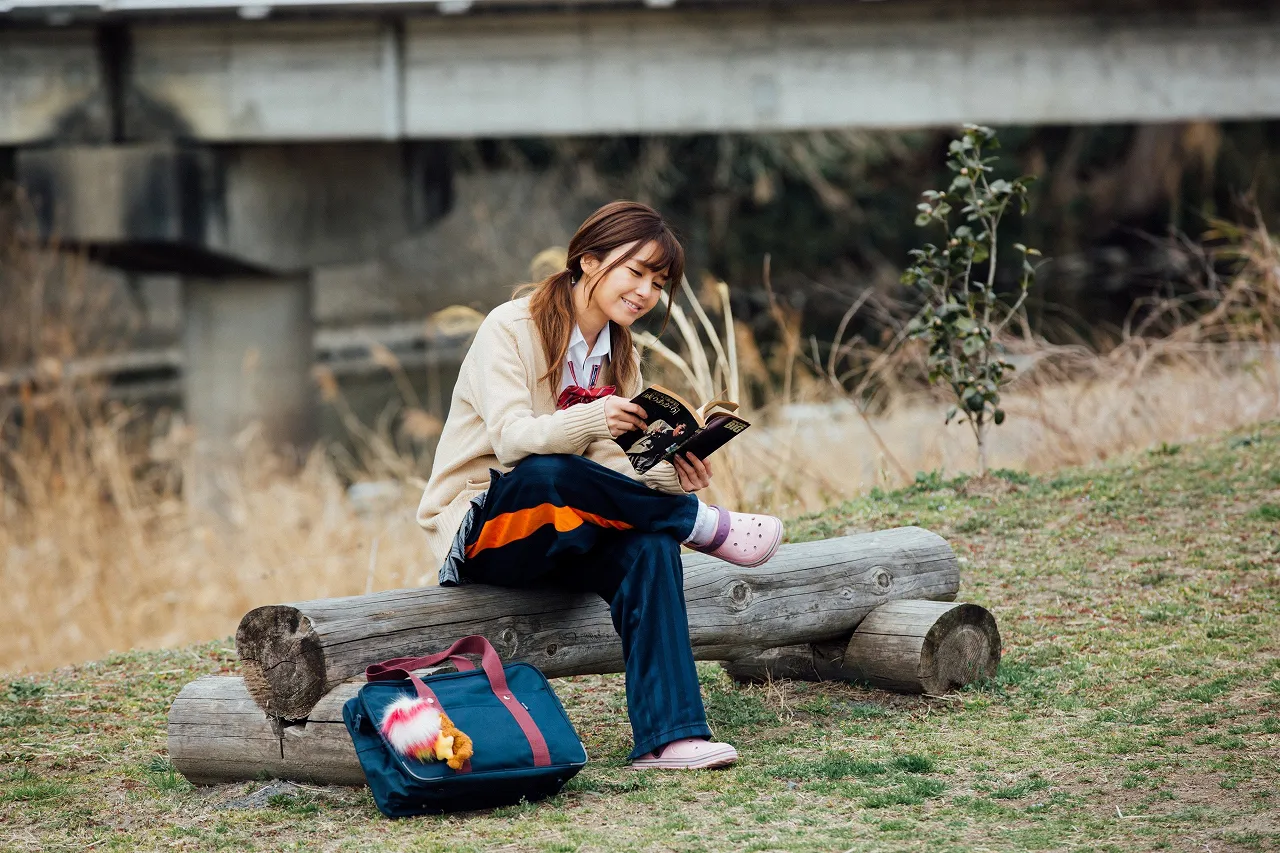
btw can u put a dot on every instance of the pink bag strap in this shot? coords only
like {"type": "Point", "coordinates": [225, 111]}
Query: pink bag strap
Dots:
{"type": "Point", "coordinates": [398, 668]}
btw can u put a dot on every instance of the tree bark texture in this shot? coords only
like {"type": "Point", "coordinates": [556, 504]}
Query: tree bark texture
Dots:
{"type": "Point", "coordinates": [217, 733]}
{"type": "Point", "coordinates": [905, 646]}
{"type": "Point", "coordinates": [293, 654]}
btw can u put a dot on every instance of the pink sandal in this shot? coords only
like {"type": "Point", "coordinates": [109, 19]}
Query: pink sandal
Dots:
{"type": "Point", "coordinates": [744, 539]}
{"type": "Point", "coordinates": [687, 754]}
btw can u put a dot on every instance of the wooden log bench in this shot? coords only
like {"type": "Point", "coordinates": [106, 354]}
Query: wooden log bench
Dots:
{"type": "Point", "coordinates": [801, 615]}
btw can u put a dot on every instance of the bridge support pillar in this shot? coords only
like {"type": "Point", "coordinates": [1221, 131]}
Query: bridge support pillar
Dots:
{"type": "Point", "coordinates": [247, 354]}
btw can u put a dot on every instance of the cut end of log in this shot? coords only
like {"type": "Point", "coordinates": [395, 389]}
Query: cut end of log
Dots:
{"type": "Point", "coordinates": [962, 647]}
{"type": "Point", "coordinates": [924, 646]}
{"type": "Point", "coordinates": [281, 659]}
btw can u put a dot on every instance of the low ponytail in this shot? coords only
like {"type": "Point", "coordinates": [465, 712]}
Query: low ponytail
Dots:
{"type": "Point", "coordinates": [551, 307]}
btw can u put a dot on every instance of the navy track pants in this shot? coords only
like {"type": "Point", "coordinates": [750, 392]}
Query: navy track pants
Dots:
{"type": "Point", "coordinates": [566, 522]}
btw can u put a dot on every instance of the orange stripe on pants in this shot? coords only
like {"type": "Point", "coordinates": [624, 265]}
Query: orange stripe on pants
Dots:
{"type": "Point", "coordinates": [513, 526]}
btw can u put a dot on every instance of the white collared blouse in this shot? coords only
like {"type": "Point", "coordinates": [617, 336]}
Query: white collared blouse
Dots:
{"type": "Point", "coordinates": [581, 367]}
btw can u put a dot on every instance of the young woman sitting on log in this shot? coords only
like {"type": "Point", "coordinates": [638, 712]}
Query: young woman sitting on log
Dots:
{"type": "Point", "coordinates": [528, 488]}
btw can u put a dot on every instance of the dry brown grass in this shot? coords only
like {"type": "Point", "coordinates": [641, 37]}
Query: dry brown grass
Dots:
{"type": "Point", "coordinates": [46, 296]}
{"type": "Point", "coordinates": [822, 453]}
{"type": "Point", "coordinates": [98, 550]}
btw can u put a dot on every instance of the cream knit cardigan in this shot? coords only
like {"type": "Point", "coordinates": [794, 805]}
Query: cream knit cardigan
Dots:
{"type": "Point", "coordinates": [500, 413]}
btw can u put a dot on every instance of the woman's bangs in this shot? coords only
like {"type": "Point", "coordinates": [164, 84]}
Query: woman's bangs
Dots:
{"type": "Point", "coordinates": [669, 257]}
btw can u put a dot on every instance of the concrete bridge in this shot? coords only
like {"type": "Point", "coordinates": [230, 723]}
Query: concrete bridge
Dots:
{"type": "Point", "coordinates": [307, 70]}
{"type": "Point", "coordinates": [242, 144]}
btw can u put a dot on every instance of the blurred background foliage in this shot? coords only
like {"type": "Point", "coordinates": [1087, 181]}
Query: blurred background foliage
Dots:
{"type": "Point", "coordinates": [834, 209]}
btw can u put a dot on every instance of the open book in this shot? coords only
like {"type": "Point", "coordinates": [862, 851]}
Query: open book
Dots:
{"type": "Point", "coordinates": [675, 426]}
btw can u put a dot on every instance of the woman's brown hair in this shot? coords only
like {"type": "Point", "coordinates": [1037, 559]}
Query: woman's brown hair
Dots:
{"type": "Point", "coordinates": [618, 223]}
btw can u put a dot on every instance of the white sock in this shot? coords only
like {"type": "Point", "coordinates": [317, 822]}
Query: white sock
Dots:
{"type": "Point", "coordinates": [704, 528]}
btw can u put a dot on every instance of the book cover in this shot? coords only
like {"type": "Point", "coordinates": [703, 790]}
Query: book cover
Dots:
{"type": "Point", "coordinates": [676, 426]}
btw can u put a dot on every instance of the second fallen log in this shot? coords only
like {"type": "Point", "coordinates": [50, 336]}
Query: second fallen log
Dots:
{"type": "Point", "coordinates": [905, 646]}
{"type": "Point", "coordinates": [811, 592]}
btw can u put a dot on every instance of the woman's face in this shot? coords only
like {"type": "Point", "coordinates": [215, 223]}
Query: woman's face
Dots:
{"type": "Point", "coordinates": [629, 290]}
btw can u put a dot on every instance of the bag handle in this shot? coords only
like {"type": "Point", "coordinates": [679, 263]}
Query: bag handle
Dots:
{"type": "Point", "coordinates": [398, 668]}
{"type": "Point", "coordinates": [386, 670]}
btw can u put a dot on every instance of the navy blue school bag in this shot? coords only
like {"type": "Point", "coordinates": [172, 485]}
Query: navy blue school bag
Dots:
{"type": "Point", "coordinates": [524, 745]}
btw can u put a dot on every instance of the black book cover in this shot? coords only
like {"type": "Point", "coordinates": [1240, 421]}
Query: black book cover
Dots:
{"type": "Point", "coordinates": [674, 427]}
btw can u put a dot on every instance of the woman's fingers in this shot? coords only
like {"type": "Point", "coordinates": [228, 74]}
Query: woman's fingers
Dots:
{"type": "Point", "coordinates": [631, 409]}
{"type": "Point", "coordinates": [685, 473]}
{"type": "Point", "coordinates": [693, 472]}
{"type": "Point", "coordinates": [625, 423]}
{"type": "Point", "coordinates": [701, 466]}
{"type": "Point", "coordinates": [622, 415]}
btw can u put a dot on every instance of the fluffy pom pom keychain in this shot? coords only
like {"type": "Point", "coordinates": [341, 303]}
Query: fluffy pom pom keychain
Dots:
{"type": "Point", "coordinates": [422, 731]}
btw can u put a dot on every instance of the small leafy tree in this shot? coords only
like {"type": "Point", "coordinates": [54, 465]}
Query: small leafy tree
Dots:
{"type": "Point", "coordinates": [963, 316]}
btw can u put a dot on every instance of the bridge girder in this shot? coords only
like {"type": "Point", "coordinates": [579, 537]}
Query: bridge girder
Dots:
{"type": "Point", "coordinates": [762, 67]}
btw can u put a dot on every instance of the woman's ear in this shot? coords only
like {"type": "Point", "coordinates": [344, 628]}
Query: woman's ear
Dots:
{"type": "Point", "coordinates": [589, 264]}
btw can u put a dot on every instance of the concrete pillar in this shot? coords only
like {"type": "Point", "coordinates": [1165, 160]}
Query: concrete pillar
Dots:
{"type": "Point", "coordinates": [247, 355]}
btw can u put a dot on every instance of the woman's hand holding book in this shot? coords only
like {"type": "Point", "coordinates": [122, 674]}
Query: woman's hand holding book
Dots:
{"type": "Point", "coordinates": [694, 473]}
{"type": "Point", "coordinates": [623, 416]}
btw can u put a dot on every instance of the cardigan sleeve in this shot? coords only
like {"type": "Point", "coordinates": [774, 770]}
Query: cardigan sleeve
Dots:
{"type": "Point", "coordinates": [502, 395]}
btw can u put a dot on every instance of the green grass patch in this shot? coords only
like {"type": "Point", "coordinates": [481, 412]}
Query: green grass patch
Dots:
{"type": "Point", "coordinates": [20, 718]}
{"type": "Point", "coordinates": [1210, 690]}
{"type": "Point", "coordinates": [869, 711]}
{"type": "Point", "coordinates": [832, 766]}
{"type": "Point", "coordinates": [164, 777]}
{"type": "Point", "coordinates": [1020, 789]}
{"type": "Point", "coordinates": [1266, 512]}
{"type": "Point", "coordinates": [1166, 449]}
{"type": "Point", "coordinates": [912, 792]}
{"type": "Point", "coordinates": [913, 763]}
{"type": "Point", "coordinates": [24, 691]}
{"type": "Point", "coordinates": [294, 805]}
{"type": "Point", "coordinates": [737, 711]}
{"type": "Point", "coordinates": [26, 787]}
